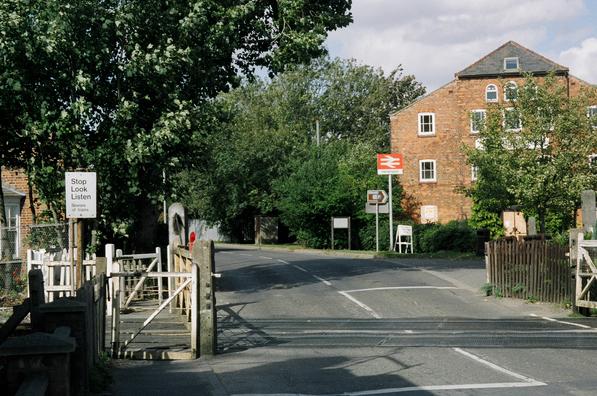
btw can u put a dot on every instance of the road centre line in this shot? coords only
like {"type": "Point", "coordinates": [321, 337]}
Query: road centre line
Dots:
{"type": "Point", "coordinates": [246, 255]}
{"type": "Point", "coordinates": [561, 321]}
{"type": "Point", "coordinates": [400, 288]}
{"type": "Point", "coordinates": [298, 267]}
{"type": "Point", "coordinates": [267, 258]}
{"type": "Point", "coordinates": [282, 261]}
{"type": "Point", "coordinates": [360, 304]}
{"type": "Point", "coordinates": [503, 370]}
{"type": "Point", "coordinates": [325, 282]}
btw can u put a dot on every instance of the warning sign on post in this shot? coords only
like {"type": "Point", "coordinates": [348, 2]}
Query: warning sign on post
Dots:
{"type": "Point", "coordinates": [81, 195]}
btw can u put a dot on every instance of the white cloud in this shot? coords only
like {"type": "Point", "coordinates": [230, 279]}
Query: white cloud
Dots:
{"type": "Point", "coordinates": [433, 39]}
{"type": "Point", "coordinates": [582, 60]}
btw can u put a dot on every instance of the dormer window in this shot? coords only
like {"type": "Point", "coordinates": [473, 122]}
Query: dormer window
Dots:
{"type": "Point", "coordinates": [511, 64]}
{"type": "Point", "coordinates": [491, 93]}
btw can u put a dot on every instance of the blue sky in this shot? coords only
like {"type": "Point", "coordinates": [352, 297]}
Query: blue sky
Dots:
{"type": "Point", "coordinates": [433, 39]}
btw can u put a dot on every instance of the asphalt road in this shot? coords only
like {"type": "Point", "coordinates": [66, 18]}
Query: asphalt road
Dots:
{"type": "Point", "coordinates": [293, 324]}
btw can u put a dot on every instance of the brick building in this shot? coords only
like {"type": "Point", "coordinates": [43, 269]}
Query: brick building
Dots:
{"type": "Point", "coordinates": [431, 131]}
{"type": "Point", "coordinates": [17, 205]}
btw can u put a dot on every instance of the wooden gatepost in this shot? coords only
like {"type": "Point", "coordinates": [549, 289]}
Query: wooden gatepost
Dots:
{"type": "Point", "coordinates": [196, 304]}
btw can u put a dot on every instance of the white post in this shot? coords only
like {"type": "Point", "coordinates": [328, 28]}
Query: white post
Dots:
{"type": "Point", "coordinates": [158, 255]}
{"type": "Point", "coordinates": [18, 238]}
{"type": "Point", "coordinates": [377, 226]}
{"type": "Point", "coordinates": [194, 309]}
{"type": "Point", "coordinates": [170, 279]}
{"type": "Point", "coordinates": [391, 212]}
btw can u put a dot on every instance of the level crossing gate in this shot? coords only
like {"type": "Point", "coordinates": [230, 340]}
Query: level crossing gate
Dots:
{"type": "Point", "coordinates": [586, 273]}
{"type": "Point", "coordinates": [158, 314]}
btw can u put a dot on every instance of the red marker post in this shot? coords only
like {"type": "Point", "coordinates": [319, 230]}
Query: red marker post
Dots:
{"type": "Point", "coordinates": [192, 238]}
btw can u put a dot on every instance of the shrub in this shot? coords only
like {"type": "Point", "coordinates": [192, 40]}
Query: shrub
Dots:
{"type": "Point", "coordinates": [454, 236]}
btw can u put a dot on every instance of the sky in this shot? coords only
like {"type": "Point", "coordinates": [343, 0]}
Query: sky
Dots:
{"type": "Point", "coordinates": [433, 39]}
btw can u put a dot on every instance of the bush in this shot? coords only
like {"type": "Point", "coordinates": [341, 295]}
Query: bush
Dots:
{"type": "Point", "coordinates": [456, 236]}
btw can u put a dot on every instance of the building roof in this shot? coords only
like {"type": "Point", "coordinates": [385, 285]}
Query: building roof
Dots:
{"type": "Point", "coordinates": [529, 61]}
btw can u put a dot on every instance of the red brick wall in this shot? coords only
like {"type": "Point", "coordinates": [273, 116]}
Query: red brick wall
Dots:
{"type": "Point", "coordinates": [451, 104]}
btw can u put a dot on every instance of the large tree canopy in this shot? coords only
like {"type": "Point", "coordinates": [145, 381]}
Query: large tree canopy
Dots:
{"type": "Point", "coordinates": [535, 153]}
{"type": "Point", "coordinates": [121, 86]}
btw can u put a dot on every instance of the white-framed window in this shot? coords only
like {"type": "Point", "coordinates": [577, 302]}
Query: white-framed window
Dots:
{"type": "Point", "coordinates": [426, 124]}
{"type": "Point", "coordinates": [479, 144]}
{"type": "Point", "coordinates": [491, 93]}
{"type": "Point", "coordinates": [511, 63]}
{"type": "Point", "coordinates": [477, 120]}
{"type": "Point", "coordinates": [592, 114]}
{"type": "Point", "coordinates": [510, 91]}
{"type": "Point", "coordinates": [429, 214]}
{"type": "Point", "coordinates": [474, 172]}
{"type": "Point", "coordinates": [427, 171]}
{"type": "Point", "coordinates": [512, 120]}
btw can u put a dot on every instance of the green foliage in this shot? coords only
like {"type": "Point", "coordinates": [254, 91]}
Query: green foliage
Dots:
{"type": "Point", "coordinates": [100, 376]}
{"type": "Point", "coordinates": [328, 181]}
{"type": "Point", "coordinates": [487, 289]}
{"type": "Point", "coordinates": [263, 126]}
{"type": "Point", "coordinates": [454, 236]}
{"type": "Point", "coordinates": [123, 87]}
{"type": "Point", "coordinates": [541, 168]}
{"type": "Point", "coordinates": [483, 218]}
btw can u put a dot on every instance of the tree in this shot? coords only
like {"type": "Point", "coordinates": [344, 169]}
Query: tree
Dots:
{"type": "Point", "coordinates": [108, 85]}
{"type": "Point", "coordinates": [266, 124]}
{"type": "Point", "coordinates": [535, 153]}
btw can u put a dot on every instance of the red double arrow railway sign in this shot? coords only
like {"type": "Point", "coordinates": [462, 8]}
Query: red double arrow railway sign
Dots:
{"type": "Point", "coordinates": [389, 164]}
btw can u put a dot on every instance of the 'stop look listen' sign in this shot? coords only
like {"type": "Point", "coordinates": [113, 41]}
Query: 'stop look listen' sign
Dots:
{"type": "Point", "coordinates": [81, 195]}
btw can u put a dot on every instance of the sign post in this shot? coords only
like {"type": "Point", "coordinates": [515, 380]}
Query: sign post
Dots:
{"type": "Point", "coordinates": [376, 197]}
{"type": "Point", "coordinates": [81, 203]}
{"type": "Point", "coordinates": [341, 223]}
{"type": "Point", "coordinates": [390, 164]}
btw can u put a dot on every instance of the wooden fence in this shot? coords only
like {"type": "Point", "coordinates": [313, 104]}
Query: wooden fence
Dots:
{"type": "Point", "coordinates": [535, 270]}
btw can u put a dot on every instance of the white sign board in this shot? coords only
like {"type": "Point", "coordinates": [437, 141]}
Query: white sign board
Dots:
{"type": "Point", "coordinates": [81, 195]}
{"type": "Point", "coordinates": [405, 230]}
{"type": "Point", "coordinates": [340, 222]}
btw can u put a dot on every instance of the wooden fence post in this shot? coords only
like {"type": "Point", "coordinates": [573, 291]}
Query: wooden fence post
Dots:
{"type": "Point", "coordinates": [116, 325]}
{"type": "Point", "coordinates": [109, 269]}
{"type": "Point", "coordinates": [36, 297]}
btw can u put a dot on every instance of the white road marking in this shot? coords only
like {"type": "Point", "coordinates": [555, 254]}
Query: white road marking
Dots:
{"type": "Point", "coordinates": [360, 304]}
{"type": "Point", "coordinates": [298, 267]}
{"type": "Point", "coordinates": [521, 377]}
{"type": "Point", "coordinates": [226, 252]}
{"type": "Point", "coordinates": [562, 322]}
{"type": "Point", "coordinates": [246, 255]}
{"type": "Point", "coordinates": [325, 282]}
{"type": "Point", "coordinates": [267, 258]}
{"type": "Point", "coordinates": [400, 288]}
{"type": "Point", "coordinates": [282, 261]}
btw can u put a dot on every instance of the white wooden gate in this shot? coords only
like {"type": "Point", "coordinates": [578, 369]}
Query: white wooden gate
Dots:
{"type": "Point", "coordinates": [586, 274]}
{"type": "Point", "coordinates": [57, 269]}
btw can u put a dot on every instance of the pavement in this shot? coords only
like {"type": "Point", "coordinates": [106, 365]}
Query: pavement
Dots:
{"type": "Point", "coordinates": [302, 323]}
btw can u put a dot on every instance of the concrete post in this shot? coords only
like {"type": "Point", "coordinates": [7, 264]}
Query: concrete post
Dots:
{"type": "Point", "coordinates": [589, 215]}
